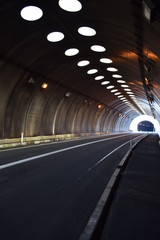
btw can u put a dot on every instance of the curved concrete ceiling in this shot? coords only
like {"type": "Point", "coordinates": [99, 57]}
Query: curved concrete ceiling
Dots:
{"type": "Point", "coordinates": [74, 102]}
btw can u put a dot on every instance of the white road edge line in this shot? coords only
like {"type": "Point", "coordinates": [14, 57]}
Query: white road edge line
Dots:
{"type": "Point", "coordinates": [7, 165]}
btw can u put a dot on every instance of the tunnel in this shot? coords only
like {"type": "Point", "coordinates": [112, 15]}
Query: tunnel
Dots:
{"type": "Point", "coordinates": [46, 89]}
{"type": "Point", "coordinates": [79, 119]}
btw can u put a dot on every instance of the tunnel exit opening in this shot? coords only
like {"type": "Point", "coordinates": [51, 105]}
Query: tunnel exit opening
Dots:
{"type": "Point", "coordinates": [144, 123]}
{"type": "Point", "coordinates": [146, 126]}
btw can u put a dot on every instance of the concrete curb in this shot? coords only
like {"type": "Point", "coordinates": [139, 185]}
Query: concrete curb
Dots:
{"type": "Point", "coordinates": [16, 142]}
{"type": "Point", "coordinates": [102, 206]}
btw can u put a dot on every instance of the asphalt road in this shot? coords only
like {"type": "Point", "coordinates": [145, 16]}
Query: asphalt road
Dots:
{"type": "Point", "coordinates": [48, 192]}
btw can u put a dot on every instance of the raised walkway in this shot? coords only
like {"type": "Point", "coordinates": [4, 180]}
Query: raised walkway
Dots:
{"type": "Point", "coordinates": [135, 210]}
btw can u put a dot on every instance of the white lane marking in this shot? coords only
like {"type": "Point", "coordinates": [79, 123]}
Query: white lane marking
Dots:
{"type": "Point", "coordinates": [7, 165]}
{"type": "Point", "coordinates": [102, 159]}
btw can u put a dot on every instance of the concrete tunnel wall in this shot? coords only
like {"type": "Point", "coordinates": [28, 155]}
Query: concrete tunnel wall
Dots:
{"type": "Point", "coordinates": [27, 108]}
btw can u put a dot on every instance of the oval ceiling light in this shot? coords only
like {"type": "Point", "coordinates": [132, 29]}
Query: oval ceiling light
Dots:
{"type": "Point", "coordinates": [118, 93]}
{"type": "Point", "coordinates": [55, 36]}
{"type": "Point", "coordinates": [127, 90]}
{"type": "Point", "coordinates": [83, 63]}
{"type": "Point", "coordinates": [112, 69]}
{"type": "Point", "coordinates": [120, 96]}
{"type": "Point", "coordinates": [110, 87]}
{"type": "Point", "coordinates": [105, 83]}
{"type": "Point", "coordinates": [116, 76]}
{"type": "Point", "coordinates": [86, 31]}
{"type": "Point", "coordinates": [123, 98]}
{"type": "Point", "coordinates": [92, 71]}
{"type": "Point", "coordinates": [121, 81]}
{"type": "Point", "coordinates": [114, 90]}
{"type": "Point", "coordinates": [31, 13]}
{"type": "Point", "coordinates": [99, 77]}
{"type": "Point", "coordinates": [71, 52]}
{"type": "Point", "coordinates": [98, 48]}
{"type": "Point", "coordinates": [70, 5]}
{"type": "Point", "coordinates": [124, 86]}
{"type": "Point", "coordinates": [106, 60]}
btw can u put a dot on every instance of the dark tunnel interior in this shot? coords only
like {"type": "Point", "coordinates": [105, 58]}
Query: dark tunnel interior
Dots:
{"type": "Point", "coordinates": [87, 70]}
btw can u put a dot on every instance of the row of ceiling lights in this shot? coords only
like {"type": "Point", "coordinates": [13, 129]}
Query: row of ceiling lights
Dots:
{"type": "Point", "coordinates": [32, 13]}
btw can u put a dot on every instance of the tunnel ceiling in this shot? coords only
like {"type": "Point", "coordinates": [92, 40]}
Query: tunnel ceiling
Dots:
{"type": "Point", "coordinates": [28, 60]}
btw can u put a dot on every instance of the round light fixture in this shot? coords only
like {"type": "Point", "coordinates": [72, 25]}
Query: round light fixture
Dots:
{"type": "Point", "coordinates": [120, 96]}
{"type": "Point", "coordinates": [112, 69]}
{"type": "Point", "coordinates": [55, 36]}
{"type": "Point", "coordinates": [127, 90]}
{"type": "Point", "coordinates": [106, 60]}
{"type": "Point", "coordinates": [105, 83]}
{"type": "Point", "coordinates": [116, 76]}
{"type": "Point", "coordinates": [86, 31]}
{"type": "Point", "coordinates": [83, 63]}
{"type": "Point", "coordinates": [70, 5]}
{"type": "Point", "coordinates": [71, 52]}
{"type": "Point", "coordinates": [110, 87]}
{"type": "Point", "coordinates": [114, 90]}
{"type": "Point", "coordinates": [98, 48]}
{"type": "Point", "coordinates": [92, 71]}
{"type": "Point", "coordinates": [31, 13]}
{"type": "Point", "coordinates": [118, 93]}
{"type": "Point", "coordinates": [121, 81]}
{"type": "Point", "coordinates": [99, 77]}
{"type": "Point", "coordinates": [124, 86]}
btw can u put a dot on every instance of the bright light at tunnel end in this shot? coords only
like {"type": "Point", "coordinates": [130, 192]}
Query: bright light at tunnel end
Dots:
{"type": "Point", "coordinates": [134, 124]}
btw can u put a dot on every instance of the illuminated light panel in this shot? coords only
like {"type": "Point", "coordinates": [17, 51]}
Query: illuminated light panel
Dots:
{"type": "Point", "coordinates": [99, 77]}
{"type": "Point", "coordinates": [110, 87]}
{"type": "Point", "coordinates": [55, 36]}
{"type": "Point", "coordinates": [112, 69]}
{"type": "Point", "coordinates": [70, 5]}
{"type": "Point", "coordinates": [83, 63]}
{"type": "Point", "coordinates": [114, 90]}
{"type": "Point", "coordinates": [98, 48]}
{"type": "Point", "coordinates": [130, 93]}
{"type": "Point", "coordinates": [120, 96]}
{"type": "Point", "coordinates": [121, 81]}
{"type": "Point", "coordinates": [92, 71]}
{"type": "Point", "coordinates": [124, 86]}
{"type": "Point", "coordinates": [127, 90]}
{"type": "Point", "coordinates": [86, 31]}
{"type": "Point", "coordinates": [116, 76]}
{"type": "Point", "coordinates": [71, 52]}
{"type": "Point", "coordinates": [123, 98]}
{"type": "Point", "coordinates": [105, 83]}
{"type": "Point", "coordinates": [106, 60]}
{"type": "Point", "coordinates": [31, 13]}
{"type": "Point", "coordinates": [118, 93]}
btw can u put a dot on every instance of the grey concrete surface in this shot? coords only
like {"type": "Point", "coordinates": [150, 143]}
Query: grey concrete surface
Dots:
{"type": "Point", "coordinates": [135, 211]}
